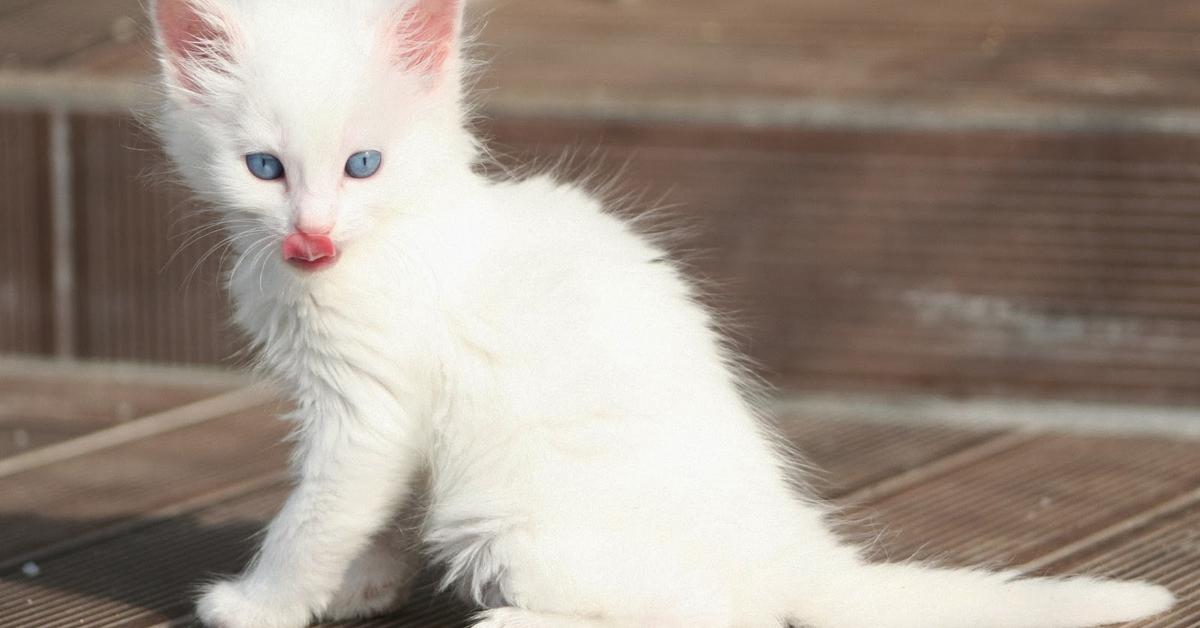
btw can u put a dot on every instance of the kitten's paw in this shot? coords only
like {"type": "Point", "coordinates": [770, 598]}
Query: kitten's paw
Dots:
{"type": "Point", "coordinates": [227, 605]}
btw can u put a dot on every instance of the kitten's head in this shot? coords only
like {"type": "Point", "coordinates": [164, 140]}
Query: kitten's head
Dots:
{"type": "Point", "coordinates": [308, 123]}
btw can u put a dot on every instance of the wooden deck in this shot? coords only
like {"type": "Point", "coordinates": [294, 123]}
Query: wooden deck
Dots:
{"type": "Point", "coordinates": [120, 490]}
{"type": "Point", "coordinates": [1027, 63]}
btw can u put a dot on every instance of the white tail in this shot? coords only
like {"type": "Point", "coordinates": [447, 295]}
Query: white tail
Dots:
{"type": "Point", "coordinates": [915, 596]}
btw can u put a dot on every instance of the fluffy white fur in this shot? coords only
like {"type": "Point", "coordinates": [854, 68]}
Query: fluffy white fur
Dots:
{"type": "Point", "coordinates": [591, 458]}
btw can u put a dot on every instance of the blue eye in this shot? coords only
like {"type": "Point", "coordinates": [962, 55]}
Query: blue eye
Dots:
{"type": "Point", "coordinates": [264, 166]}
{"type": "Point", "coordinates": [363, 164]}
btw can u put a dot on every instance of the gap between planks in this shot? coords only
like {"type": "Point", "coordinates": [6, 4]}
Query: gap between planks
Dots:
{"type": "Point", "coordinates": [1124, 526]}
{"type": "Point", "coordinates": [995, 446]}
{"type": "Point", "coordinates": [146, 519]}
{"type": "Point", "coordinates": [937, 467]}
{"type": "Point", "coordinates": [151, 425]}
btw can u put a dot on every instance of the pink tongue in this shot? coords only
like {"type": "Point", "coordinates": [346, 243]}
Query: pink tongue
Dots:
{"type": "Point", "coordinates": [308, 247]}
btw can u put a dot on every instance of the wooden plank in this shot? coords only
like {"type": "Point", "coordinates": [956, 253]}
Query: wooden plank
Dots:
{"type": "Point", "coordinates": [148, 260]}
{"type": "Point", "coordinates": [1030, 54]}
{"type": "Point", "coordinates": [37, 35]}
{"type": "Point", "coordinates": [40, 409]}
{"type": "Point", "coordinates": [53, 503]}
{"type": "Point", "coordinates": [25, 294]}
{"type": "Point", "coordinates": [142, 577]}
{"type": "Point", "coordinates": [8, 7]}
{"type": "Point", "coordinates": [104, 401]}
{"type": "Point", "coordinates": [1060, 62]}
{"type": "Point", "coordinates": [846, 456]}
{"type": "Point", "coordinates": [1023, 503]}
{"type": "Point", "coordinates": [150, 575]}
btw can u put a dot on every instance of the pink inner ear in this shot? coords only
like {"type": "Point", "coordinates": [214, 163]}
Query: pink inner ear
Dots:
{"type": "Point", "coordinates": [187, 36]}
{"type": "Point", "coordinates": [427, 33]}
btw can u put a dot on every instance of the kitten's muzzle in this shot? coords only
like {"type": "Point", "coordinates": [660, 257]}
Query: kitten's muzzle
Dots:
{"type": "Point", "coordinates": [309, 251]}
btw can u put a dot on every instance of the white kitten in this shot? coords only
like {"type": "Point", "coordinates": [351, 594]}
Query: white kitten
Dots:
{"type": "Point", "coordinates": [592, 460]}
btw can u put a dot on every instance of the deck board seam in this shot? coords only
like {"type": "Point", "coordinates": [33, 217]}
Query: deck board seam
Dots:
{"type": "Point", "coordinates": [1129, 524]}
{"type": "Point", "coordinates": [972, 454]}
{"type": "Point", "coordinates": [158, 423]}
{"type": "Point", "coordinates": [141, 521]}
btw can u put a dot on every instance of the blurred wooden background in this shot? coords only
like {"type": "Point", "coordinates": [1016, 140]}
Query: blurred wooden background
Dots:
{"type": "Point", "coordinates": [991, 200]}
{"type": "Point", "coordinates": [983, 197]}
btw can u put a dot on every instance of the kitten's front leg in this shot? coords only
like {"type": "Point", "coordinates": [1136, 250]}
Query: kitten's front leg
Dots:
{"type": "Point", "coordinates": [353, 477]}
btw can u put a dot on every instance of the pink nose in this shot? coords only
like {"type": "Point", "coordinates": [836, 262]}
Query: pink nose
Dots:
{"type": "Point", "coordinates": [309, 251]}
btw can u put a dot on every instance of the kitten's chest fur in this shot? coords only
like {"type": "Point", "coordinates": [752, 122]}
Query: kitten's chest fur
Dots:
{"type": "Point", "coordinates": [360, 325]}
{"type": "Point", "coordinates": [492, 308]}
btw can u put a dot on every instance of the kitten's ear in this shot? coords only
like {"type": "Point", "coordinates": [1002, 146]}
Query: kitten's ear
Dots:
{"type": "Point", "coordinates": [194, 38]}
{"type": "Point", "coordinates": [426, 35]}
